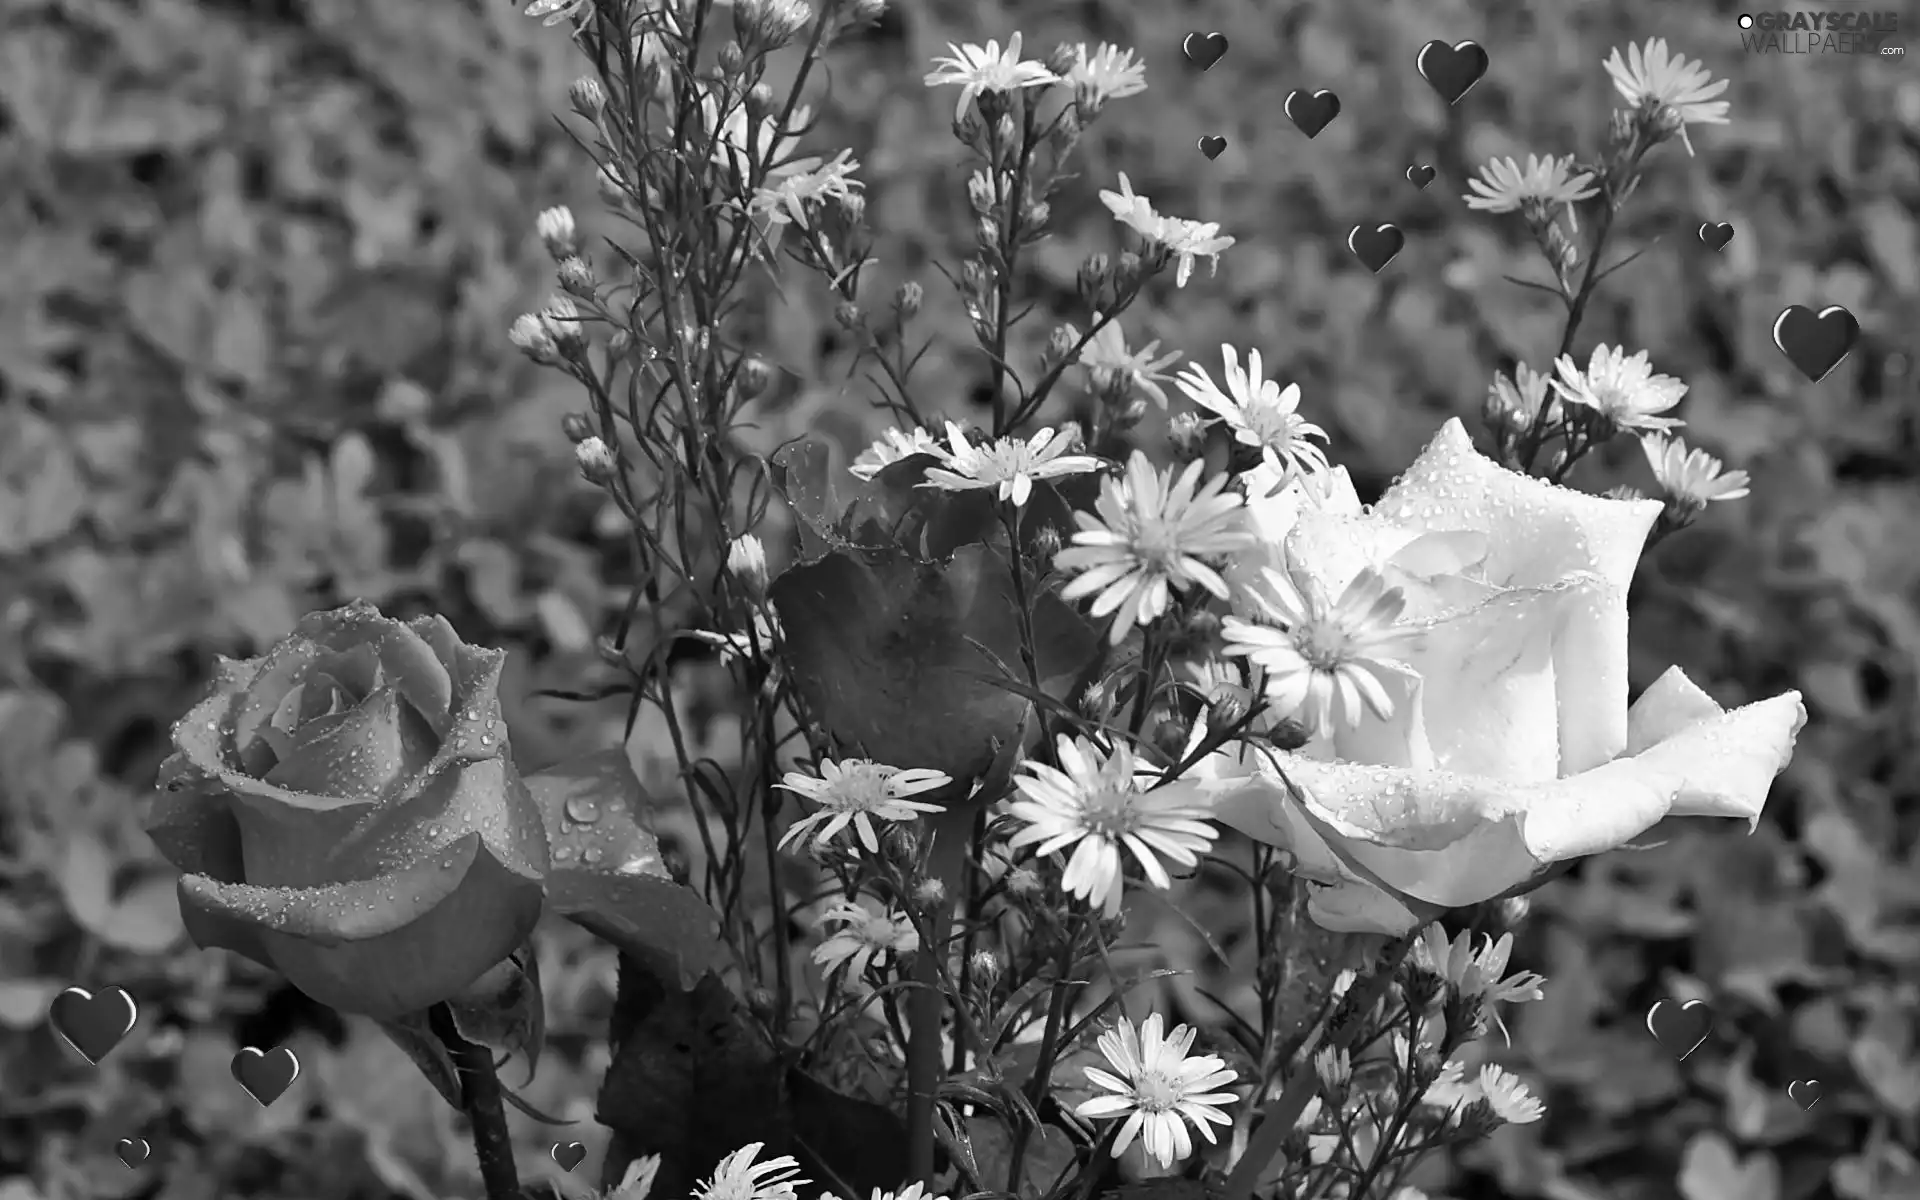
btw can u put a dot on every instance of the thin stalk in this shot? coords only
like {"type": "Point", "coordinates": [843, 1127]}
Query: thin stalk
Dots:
{"type": "Point", "coordinates": [480, 1100]}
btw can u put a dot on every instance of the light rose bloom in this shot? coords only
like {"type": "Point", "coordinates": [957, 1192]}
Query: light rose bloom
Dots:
{"type": "Point", "coordinates": [1511, 746]}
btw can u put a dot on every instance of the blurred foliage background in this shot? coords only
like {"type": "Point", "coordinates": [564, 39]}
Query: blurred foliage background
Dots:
{"type": "Point", "coordinates": [257, 258]}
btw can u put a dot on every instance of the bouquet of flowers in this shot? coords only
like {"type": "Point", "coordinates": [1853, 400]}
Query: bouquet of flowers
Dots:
{"type": "Point", "coordinates": [1009, 683]}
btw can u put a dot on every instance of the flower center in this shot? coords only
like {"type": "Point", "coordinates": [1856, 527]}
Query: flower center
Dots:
{"type": "Point", "coordinates": [1154, 1092]}
{"type": "Point", "coordinates": [1322, 642]}
{"type": "Point", "coordinates": [1109, 813]}
{"type": "Point", "coordinates": [861, 791]}
{"type": "Point", "coordinates": [1156, 543]}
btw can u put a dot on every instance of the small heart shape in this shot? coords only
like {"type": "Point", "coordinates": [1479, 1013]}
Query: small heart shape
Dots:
{"type": "Point", "coordinates": [93, 1025]}
{"type": "Point", "coordinates": [1376, 247]}
{"type": "Point", "coordinates": [1213, 145]}
{"type": "Point", "coordinates": [1311, 111]}
{"type": "Point", "coordinates": [1805, 1092]}
{"type": "Point", "coordinates": [1815, 343]}
{"type": "Point", "coordinates": [1451, 70]}
{"type": "Point", "coordinates": [132, 1151]}
{"type": "Point", "coordinates": [266, 1076]}
{"type": "Point", "coordinates": [1680, 1027]}
{"type": "Point", "coordinates": [1204, 49]}
{"type": "Point", "coordinates": [568, 1154]}
{"type": "Point", "coordinates": [1420, 175]}
{"type": "Point", "coordinates": [1715, 237]}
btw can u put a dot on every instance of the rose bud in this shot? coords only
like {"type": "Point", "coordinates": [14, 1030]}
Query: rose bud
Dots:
{"type": "Point", "coordinates": [345, 811]}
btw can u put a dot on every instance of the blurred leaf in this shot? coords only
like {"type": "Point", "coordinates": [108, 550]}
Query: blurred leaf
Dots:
{"type": "Point", "coordinates": [843, 1141]}
{"type": "Point", "coordinates": [1710, 1171]}
{"type": "Point", "coordinates": [86, 881]}
{"type": "Point", "coordinates": [888, 653]}
{"type": "Point", "coordinates": [147, 919]}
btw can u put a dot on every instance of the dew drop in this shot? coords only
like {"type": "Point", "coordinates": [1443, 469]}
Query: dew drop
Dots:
{"type": "Point", "coordinates": [583, 810]}
{"type": "Point", "coordinates": [593, 855]}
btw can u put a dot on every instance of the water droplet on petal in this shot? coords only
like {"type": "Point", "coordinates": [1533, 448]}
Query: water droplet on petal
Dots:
{"type": "Point", "coordinates": [593, 855]}
{"type": "Point", "coordinates": [583, 810]}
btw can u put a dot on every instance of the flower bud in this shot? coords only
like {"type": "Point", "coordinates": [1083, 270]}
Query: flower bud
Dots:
{"type": "Point", "coordinates": [900, 842]}
{"type": "Point", "coordinates": [907, 299]}
{"type": "Point", "coordinates": [556, 230]}
{"type": "Point", "coordinates": [1061, 343]}
{"type": "Point", "coordinates": [1513, 910]}
{"type": "Point", "coordinates": [577, 426]}
{"type": "Point", "coordinates": [1063, 57]}
{"type": "Point", "coordinates": [1126, 271]}
{"type": "Point", "coordinates": [620, 344]}
{"type": "Point", "coordinates": [1023, 884]}
{"type": "Point", "coordinates": [732, 57]}
{"type": "Point", "coordinates": [562, 319]}
{"type": "Point", "coordinates": [1189, 435]}
{"type": "Point", "coordinates": [929, 893]}
{"type": "Point", "coordinates": [747, 563]}
{"type": "Point", "coordinates": [1335, 1072]}
{"type": "Point", "coordinates": [852, 210]}
{"type": "Point", "coordinates": [576, 277]}
{"type": "Point", "coordinates": [1095, 275]}
{"type": "Point", "coordinates": [1034, 218]}
{"type": "Point", "coordinates": [980, 193]}
{"type": "Point", "coordinates": [986, 234]}
{"type": "Point", "coordinates": [1096, 702]}
{"type": "Point", "coordinates": [588, 97]}
{"type": "Point", "coordinates": [984, 967]}
{"type": "Point", "coordinates": [763, 1004]}
{"type": "Point", "coordinates": [1130, 415]}
{"type": "Point", "coordinates": [753, 377]}
{"type": "Point", "coordinates": [612, 190]}
{"type": "Point", "coordinates": [760, 101]}
{"type": "Point", "coordinates": [530, 335]}
{"type": "Point", "coordinates": [1226, 706]}
{"type": "Point", "coordinates": [1046, 544]}
{"type": "Point", "coordinates": [862, 12]}
{"type": "Point", "coordinates": [595, 460]}
{"type": "Point", "coordinates": [847, 315]}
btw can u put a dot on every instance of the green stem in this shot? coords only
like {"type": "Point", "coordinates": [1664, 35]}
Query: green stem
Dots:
{"type": "Point", "coordinates": [480, 1100]}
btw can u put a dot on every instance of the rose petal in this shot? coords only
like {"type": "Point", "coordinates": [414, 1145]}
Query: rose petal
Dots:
{"type": "Point", "coordinates": [1537, 535]}
{"type": "Point", "coordinates": [485, 797]}
{"type": "Point", "coordinates": [1272, 512]}
{"type": "Point", "coordinates": [383, 947]}
{"type": "Point", "coordinates": [1454, 840]}
{"type": "Point", "coordinates": [279, 672]}
{"type": "Point", "coordinates": [355, 669]}
{"type": "Point", "coordinates": [419, 667]}
{"type": "Point", "coordinates": [357, 755]}
{"type": "Point", "coordinates": [477, 730]}
{"type": "Point", "coordinates": [193, 827]}
{"type": "Point", "coordinates": [1671, 704]}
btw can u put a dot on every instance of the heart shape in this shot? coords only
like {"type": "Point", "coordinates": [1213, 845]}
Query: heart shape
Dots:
{"type": "Point", "coordinates": [1815, 343]}
{"type": "Point", "coordinates": [266, 1076]}
{"type": "Point", "coordinates": [132, 1151]}
{"type": "Point", "coordinates": [1311, 111]}
{"type": "Point", "coordinates": [1805, 1092]}
{"type": "Point", "coordinates": [1451, 70]}
{"type": "Point", "coordinates": [568, 1154]}
{"type": "Point", "coordinates": [93, 1025]}
{"type": "Point", "coordinates": [1213, 145]}
{"type": "Point", "coordinates": [1375, 247]}
{"type": "Point", "coordinates": [1715, 236]}
{"type": "Point", "coordinates": [1420, 175]}
{"type": "Point", "coordinates": [1204, 49]}
{"type": "Point", "coordinates": [1680, 1025]}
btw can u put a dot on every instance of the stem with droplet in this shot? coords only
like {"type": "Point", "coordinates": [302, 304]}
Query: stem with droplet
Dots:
{"type": "Point", "coordinates": [480, 1100]}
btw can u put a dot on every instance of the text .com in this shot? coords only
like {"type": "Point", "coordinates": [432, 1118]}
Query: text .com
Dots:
{"type": "Point", "coordinates": [1874, 34]}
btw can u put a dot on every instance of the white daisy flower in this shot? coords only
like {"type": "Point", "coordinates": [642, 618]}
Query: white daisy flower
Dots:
{"type": "Point", "coordinates": [1107, 361]}
{"type": "Point", "coordinates": [556, 11]}
{"type": "Point", "coordinates": [858, 792]}
{"type": "Point", "coordinates": [1322, 659]}
{"type": "Point", "coordinates": [1679, 85]}
{"type": "Point", "coordinates": [1159, 1088]}
{"type": "Point", "coordinates": [977, 69]}
{"type": "Point", "coordinates": [738, 1177]}
{"type": "Point", "coordinates": [740, 141]}
{"type": "Point", "coordinates": [637, 1183]}
{"type": "Point", "coordinates": [1691, 478]}
{"type": "Point", "coordinates": [1098, 802]}
{"type": "Point", "coordinates": [1260, 412]}
{"type": "Point", "coordinates": [1621, 386]}
{"type": "Point", "coordinates": [1151, 535]}
{"type": "Point", "coordinates": [784, 199]}
{"type": "Point", "coordinates": [1509, 1097]}
{"type": "Point", "coordinates": [913, 1191]}
{"type": "Point", "coordinates": [1451, 1090]}
{"type": "Point", "coordinates": [1481, 974]}
{"type": "Point", "coordinates": [865, 937]}
{"type": "Point", "coordinates": [1108, 73]}
{"type": "Point", "coordinates": [1505, 186]}
{"type": "Point", "coordinates": [890, 448]}
{"type": "Point", "coordinates": [1185, 240]}
{"type": "Point", "coordinates": [759, 644]}
{"type": "Point", "coordinates": [1520, 398]}
{"type": "Point", "coordinates": [1008, 465]}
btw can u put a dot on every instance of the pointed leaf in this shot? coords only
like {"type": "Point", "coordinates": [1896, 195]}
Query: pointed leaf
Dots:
{"type": "Point", "coordinates": [843, 1141]}
{"type": "Point", "coordinates": [888, 654]}
{"type": "Point", "coordinates": [504, 1009]}
{"type": "Point", "coordinates": [412, 1034]}
{"type": "Point", "coordinates": [608, 875]}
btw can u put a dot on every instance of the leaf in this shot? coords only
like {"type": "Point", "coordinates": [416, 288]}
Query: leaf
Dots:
{"type": "Point", "coordinates": [504, 1009]}
{"type": "Point", "coordinates": [412, 1034]}
{"type": "Point", "coordinates": [1049, 1154]}
{"type": "Point", "coordinates": [848, 1145]}
{"type": "Point", "coordinates": [691, 1080]}
{"type": "Point", "coordinates": [889, 654]}
{"type": "Point", "coordinates": [86, 881]}
{"type": "Point", "coordinates": [608, 875]}
{"type": "Point", "coordinates": [1709, 1171]}
{"type": "Point", "coordinates": [147, 919]}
